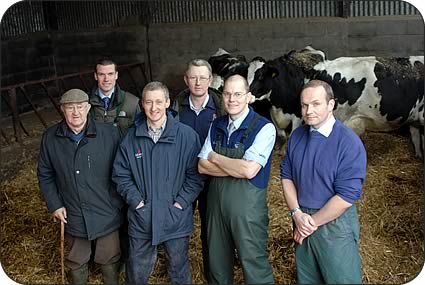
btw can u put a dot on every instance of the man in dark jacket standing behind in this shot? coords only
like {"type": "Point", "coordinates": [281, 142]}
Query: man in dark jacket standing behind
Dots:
{"type": "Point", "coordinates": [197, 107]}
{"type": "Point", "coordinates": [156, 173]}
{"type": "Point", "coordinates": [74, 172]}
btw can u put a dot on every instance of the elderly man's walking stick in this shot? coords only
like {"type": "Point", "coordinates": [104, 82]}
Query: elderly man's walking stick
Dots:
{"type": "Point", "coordinates": [62, 251]}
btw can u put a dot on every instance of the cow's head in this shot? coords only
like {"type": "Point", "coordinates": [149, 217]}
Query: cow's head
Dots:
{"type": "Point", "coordinates": [260, 78]}
{"type": "Point", "coordinates": [224, 65]}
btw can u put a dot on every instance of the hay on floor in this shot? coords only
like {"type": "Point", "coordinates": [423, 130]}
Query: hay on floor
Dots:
{"type": "Point", "coordinates": [391, 217]}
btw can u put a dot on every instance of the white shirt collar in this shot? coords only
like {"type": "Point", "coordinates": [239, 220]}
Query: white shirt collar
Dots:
{"type": "Point", "coordinates": [237, 123]}
{"type": "Point", "coordinates": [103, 95]}
{"type": "Point", "coordinates": [327, 127]}
{"type": "Point", "coordinates": [197, 111]}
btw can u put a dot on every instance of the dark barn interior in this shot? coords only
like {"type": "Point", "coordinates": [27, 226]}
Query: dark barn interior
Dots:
{"type": "Point", "coordinates": [48, 47]}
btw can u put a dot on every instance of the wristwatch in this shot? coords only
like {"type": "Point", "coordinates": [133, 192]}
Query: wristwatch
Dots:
{"type": "Point", "coordinates": [293, 211]}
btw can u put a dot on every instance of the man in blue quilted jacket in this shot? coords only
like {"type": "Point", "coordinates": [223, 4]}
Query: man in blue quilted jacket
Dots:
{"type": "Point", "coordinates": [156, 173]}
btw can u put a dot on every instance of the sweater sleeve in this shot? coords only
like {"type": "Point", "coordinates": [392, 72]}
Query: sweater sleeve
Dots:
{"type": "Point", "coordinates": [351, 171]}
{"type": "Point", "coordinates": [286, 164]}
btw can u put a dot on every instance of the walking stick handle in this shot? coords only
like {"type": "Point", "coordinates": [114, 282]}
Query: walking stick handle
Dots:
{"type": "Point", "coordinates": [62, 251]}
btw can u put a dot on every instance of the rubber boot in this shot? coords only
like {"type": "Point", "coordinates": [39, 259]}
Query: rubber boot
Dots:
{"type": "Point", "coordinates": [110, 273]}
{"type": "Point", "coordinates": [80, 275]}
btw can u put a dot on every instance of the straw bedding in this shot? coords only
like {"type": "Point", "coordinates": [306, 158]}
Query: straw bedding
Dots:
{"type": "Point", "coordinates": [391, 217]}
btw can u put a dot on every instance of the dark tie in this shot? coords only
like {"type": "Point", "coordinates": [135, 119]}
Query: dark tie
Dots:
{"type": "Point", "coordinates": [106, 102]}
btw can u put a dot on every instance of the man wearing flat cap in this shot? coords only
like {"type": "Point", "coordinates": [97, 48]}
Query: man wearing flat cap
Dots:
{"type": "Point", "coordinates": [74, 173]}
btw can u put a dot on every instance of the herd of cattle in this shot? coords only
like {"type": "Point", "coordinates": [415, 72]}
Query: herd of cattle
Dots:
{"type": "Point", "coordinates": [372, 93]}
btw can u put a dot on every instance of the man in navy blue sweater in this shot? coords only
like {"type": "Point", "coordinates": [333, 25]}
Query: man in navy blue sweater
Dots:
{"type": "Point", "coordinates": [322, 177]}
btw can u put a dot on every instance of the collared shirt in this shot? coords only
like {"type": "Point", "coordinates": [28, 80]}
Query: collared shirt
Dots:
{"type": "Point", "coordinates": [101, 95]}
{"type": "Point", "coordinates": [263, 143]}
{"type": "Point", "coordinates": [155, 133]}
{"type": "Point", "coordinates": [197, 111]}
{"type": "Point", "coordinates": [237, 123]}
{"type": "Point", "coordinates": [327, 127]}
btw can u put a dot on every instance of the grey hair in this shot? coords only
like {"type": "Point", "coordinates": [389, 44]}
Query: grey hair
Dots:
{"type": "Point", "coordinates": [156, 85]}
{"type": "Point", "coordinates": [199, 62]}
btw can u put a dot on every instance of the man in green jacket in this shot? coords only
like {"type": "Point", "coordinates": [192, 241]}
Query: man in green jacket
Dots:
{"type": "Point", "coordinates": [111, 104]}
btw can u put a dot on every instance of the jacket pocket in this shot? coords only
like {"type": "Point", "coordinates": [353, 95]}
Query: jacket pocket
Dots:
{"type": "Point", "coordinates": [174, 220]}
{"type": "Point", "coordinates": [139, 220]}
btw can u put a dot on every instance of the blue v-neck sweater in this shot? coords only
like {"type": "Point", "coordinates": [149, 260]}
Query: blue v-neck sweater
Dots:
{"type": "Point", "coordinates": [322, 167]}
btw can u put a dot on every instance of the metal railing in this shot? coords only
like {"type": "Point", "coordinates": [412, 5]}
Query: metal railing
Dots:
{"type": "Point", "coordinates": [9, 94]}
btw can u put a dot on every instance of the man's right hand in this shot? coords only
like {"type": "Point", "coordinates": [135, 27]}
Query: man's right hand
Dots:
{"type": "Point", "coordinates": [304, 223]}
{"type": "Point", "coordinates": [60, 214]}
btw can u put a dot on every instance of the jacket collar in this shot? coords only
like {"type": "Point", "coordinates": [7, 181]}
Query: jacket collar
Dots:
{"type": "Point", "coordinates": [168, 134]}
{"type": "Point", "coordinates": [210, 104]}
{"type": "Point", "coordinates": [64, 131]}
{"type": "Point", "coordinates": [116, 97]}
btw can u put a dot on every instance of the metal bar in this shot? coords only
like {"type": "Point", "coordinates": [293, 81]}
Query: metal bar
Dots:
{"type": "Point", "coordinates": [3, 134]}
{"type": "Point", "coordinates": [51, 99]}
{"type": "Point", "coordinates": [82, 81]}
{"type": "Point", "coordinates": [15, 115]}
{"type": "Point", "coordinates": [33, 107]}
{"type": "Point", "coordinates": [60, 77]}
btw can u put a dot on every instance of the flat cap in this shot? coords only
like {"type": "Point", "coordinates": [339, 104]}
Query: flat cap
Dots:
{"type": "Point", "coordinates": [74, 96]}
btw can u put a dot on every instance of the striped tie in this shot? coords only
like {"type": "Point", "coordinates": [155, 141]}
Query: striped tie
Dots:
{"type": "Point", "coordinates": [106, 102]}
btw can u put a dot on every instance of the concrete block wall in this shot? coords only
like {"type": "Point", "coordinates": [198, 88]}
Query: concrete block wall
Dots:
{"type": "Point", "coordinates": [41, 55]}
{"type": "Point", "coordinates": [79, 51]}
{"type": "Point", "coordinates": [172, 45]}
{"type": "Point", "coordinates": [26, 58]}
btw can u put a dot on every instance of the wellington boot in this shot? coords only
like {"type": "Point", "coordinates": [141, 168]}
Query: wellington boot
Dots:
{"type": "Point", "coordinates": [110, 273]}
{"type": "Point", "coordinates": [80, 276]}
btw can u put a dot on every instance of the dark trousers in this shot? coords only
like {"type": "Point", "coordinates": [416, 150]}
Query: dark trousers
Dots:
{"type": "Point", "coordinates": [107, 250]}
{"type": "Point", "coordinates": [124, 236]}
{"type": "Point", "coordinates": [142, 258]}
{"type": "Point", "coordinates": [201, 202]}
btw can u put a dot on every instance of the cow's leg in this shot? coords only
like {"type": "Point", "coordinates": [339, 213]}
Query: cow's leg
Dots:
{"type": "Point", "coordinates": [358, 125]}
{"type": "Point", "coordinates": [417, 135]}
{"type": "Point", "coordinates": [280, 123]}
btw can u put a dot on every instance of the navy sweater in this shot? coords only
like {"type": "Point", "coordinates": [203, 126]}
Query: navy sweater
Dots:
{"type": "Point", "coordinates": [322, 167]}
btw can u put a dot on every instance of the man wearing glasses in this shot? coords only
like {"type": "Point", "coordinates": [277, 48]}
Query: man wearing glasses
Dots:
{"type": "Point", "coordinates": [237, 154]}
{"type": "Point", "coordinates": [74, 173]}
{"type": "Point", "coordinates": [197, 107]}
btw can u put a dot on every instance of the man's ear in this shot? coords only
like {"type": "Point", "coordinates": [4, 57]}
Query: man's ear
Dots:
{"type": "Point", "coordinates": [95, 75]}
{"type": "Point", "coordinates": [251, 98]}
{"type": "Point", "coordinates": [331, 104]}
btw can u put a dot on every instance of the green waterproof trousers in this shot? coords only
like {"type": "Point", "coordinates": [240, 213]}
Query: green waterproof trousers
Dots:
{"type": "Point", "coordinates": [331, 254]}
{"type": "Point", "coordinates": [237, 218]}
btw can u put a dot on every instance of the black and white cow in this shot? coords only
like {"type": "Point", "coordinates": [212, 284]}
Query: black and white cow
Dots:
{"type": "Point", "coordinates": [223, 65]}
{"type": "Point", "coordinates": [372, 93]}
